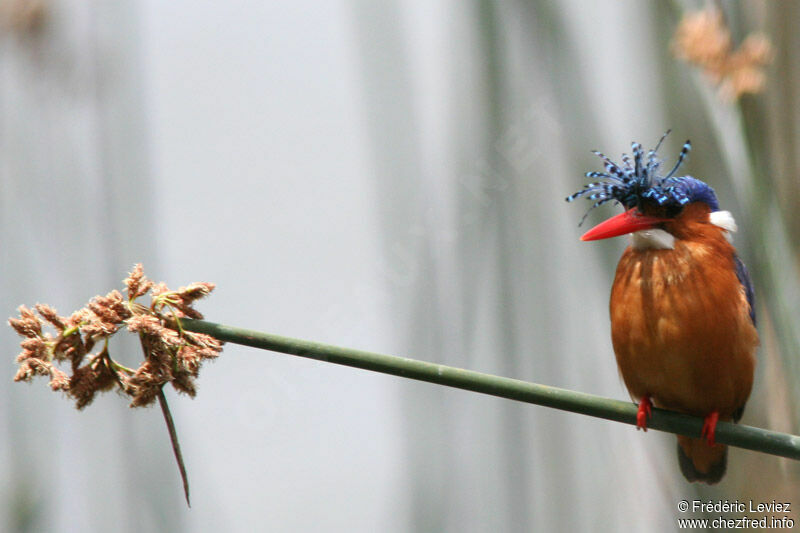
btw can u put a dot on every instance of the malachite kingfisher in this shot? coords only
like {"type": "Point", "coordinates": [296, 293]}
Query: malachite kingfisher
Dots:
{"type": "Point", "coordinates": [683, 323]}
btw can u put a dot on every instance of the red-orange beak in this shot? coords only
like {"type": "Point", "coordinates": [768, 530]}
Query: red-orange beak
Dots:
{"type": "Point", "coordinates": [627, 222]}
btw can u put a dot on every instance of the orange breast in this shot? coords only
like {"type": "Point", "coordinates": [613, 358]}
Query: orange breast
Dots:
{"type": "Point", "coordinates": [681, 328]}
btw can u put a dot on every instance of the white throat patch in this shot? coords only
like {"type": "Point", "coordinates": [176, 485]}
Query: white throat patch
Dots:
{"type": "Point", "coordinates": [652, 239]}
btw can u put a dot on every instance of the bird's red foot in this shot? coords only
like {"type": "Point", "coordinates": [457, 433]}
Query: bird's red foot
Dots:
{"type": "Point", "coordinates": [710, 427]}
{"type": "Point", "coordinates": [644, 412]}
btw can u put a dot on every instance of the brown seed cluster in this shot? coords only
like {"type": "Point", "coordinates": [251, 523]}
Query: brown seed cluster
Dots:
{"type": "Point", "coordinates": [703, 38]}
{"type": "Point", "coordinates": [171, 354]}
{"type": "Point", "coordinates": [23, 16]}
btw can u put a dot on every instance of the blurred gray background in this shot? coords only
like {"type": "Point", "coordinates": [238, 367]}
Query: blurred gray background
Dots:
{"type": "Point", "coordinates": [381, 175]}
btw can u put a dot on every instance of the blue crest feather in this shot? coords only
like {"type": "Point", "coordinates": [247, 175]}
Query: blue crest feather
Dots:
{"type": "Point", "coordinates": [638, 181]}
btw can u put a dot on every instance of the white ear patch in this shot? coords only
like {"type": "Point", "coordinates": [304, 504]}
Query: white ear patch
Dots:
{"type": "Point", "coordinates": [652, 239]}
{"type": "Point", "coordinates": [724, 220]}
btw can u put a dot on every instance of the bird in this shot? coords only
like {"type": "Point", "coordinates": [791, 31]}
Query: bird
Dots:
{"type": "Point", "coordinates": [683, 323]}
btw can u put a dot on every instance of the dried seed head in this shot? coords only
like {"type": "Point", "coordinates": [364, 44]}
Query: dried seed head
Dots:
{"type": "Point", "coordinates": [144, 385]}
{"type": "Point", "coordinates": [78, 317]}
{"type": "Point", "coordinates": [194, 291]}
{"type": "Point", "coordinates": [82, 386]}
{"type": "Point", "coordinates": [23, 16]}
{"type": "Point", "coordinates": [49, 314]}
{"type": "Point", "coordinates": [184, 383]}
{"type": "Point", "coordinates": [70, 348]}
{"type": "Point", "coordinates": [703, 38]}
{"type": "Point", "coordinates": [756, 49]}
{"type": "Point", "coordinates": [188, 359]}
{"type": "Point", "coordinates": [32, 366]}
{"type": "Point", "coordinates": [159, 288]}
{"type": "Point", "coordinates": [88, 380]}
{"type": "Point", "coordinates": [171, 355]}
{"type": "Point", "coordinates": [28, 324]}
{"type": "Point", "coordinates": [108, 311]}
{"type": "Point", "coordinates": [147, 324]}
{"type": "Point", "coordinates": [742, 80]}
{"type": "Point", "coordinates": [59, 380]}
{"type": "Point", "coordinates": [36, 348]}
{"type": "Point", "coordinates": [137, 283]}
{"type": "Point", "coordinates": [185, 311]}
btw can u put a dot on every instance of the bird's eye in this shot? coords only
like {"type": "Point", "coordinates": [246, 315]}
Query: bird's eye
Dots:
{"type": "Point", "coordinates": [651, 207]}
{"type": "Point", "coordinates": [672, 210]}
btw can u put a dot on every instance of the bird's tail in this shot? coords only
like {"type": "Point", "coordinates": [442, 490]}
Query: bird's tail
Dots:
{"type": "Point", "coordinates": [701, 462]}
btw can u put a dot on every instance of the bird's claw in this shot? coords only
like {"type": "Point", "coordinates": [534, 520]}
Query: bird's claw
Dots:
{"type": "Point", "coordinates": [644, 412]}
{"type": "Point", "coordinates": [710, 427]}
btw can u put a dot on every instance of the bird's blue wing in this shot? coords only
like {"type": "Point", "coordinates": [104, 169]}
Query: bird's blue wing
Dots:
{"type": "Point", "coordinates": [747, 283]}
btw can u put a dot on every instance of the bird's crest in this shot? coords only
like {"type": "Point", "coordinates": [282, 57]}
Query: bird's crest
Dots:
{"type": "Point", "coordinates": [637, 181]}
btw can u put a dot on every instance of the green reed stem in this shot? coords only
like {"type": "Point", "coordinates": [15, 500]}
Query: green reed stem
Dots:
{"type": "Point", "coordinates": [748, 437]}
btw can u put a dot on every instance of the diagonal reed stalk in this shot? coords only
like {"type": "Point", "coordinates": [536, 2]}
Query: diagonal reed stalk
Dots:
{"type": "Point", "coordinates": [176, 446]}
{"type": "Point", "coordinates": [747, 437]}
